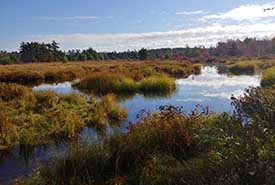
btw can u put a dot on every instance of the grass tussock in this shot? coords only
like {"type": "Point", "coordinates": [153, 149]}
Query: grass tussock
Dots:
{"type": "Point", "coordinates": [156, 85]}
{"type": "Point", "coordinates": [268, 78]}
{"type": "Point", "coordinates": [35, 118]}
{"type": "Point", "coordinates": [242, 68]}
{"type": "Point", "coordinates": [102, 83]}
{"type": "Point", "coordinates": [169, 147]}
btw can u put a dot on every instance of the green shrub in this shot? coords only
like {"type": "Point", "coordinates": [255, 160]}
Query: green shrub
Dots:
{"type": "Point", "coordinates": [257, 104]}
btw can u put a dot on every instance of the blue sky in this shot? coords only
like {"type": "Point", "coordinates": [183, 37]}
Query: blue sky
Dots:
{"type": "Point", "coordinates": [123, 24]}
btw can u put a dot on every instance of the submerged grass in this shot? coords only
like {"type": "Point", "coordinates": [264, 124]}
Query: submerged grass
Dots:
{"type": "Point", "coordinates": [33, 118]}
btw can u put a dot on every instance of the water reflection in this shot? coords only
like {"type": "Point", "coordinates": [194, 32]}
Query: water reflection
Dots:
{"type": "Point", "coordinates": [207, 89]}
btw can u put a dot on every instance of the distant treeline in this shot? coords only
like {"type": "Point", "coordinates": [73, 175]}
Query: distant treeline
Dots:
{"type": "Point", "coordinates": [50, 52]}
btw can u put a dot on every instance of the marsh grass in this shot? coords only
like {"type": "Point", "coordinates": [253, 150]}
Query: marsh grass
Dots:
{"type": "Point", "coordinates": [156, 85]}
{"type": "Point", "coordinates": [22, 77]}
{"type": "Point", "coordinates": [32, 74]}
{"type": "Point", "coordinates": [168, 147]}
{"type": "Point", "coordinates": [268, 78]}
{"type": "Point", "coordinates": [102, 83]}
{"type": "Point", "coordinates": [35, 118]}
{"type": "Point", "coordinates": [242, 68]}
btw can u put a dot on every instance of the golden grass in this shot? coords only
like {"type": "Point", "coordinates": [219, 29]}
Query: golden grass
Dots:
{"type": "Point", "coordinates": [55, 72]}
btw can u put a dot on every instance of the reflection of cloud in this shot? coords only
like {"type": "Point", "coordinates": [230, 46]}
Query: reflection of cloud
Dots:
{"type": "Point", "coordinates": [247, 12]}
{"type": "Point", "coordinates": [210, 84]}
{"type": "Point", "coordinates": [211, 79]}
{"type": "Point", "coordinates": [226, 95]}
{"type": "Point", "coordinates": [207, 36]}
{"type": "Point", "coordinates": [190, 100]}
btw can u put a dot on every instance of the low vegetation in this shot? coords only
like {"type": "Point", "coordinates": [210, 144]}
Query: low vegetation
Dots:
{"type": "Point", "coordinates": [156, 85]}
{"type": "Point", "coordinates": [169, 147]}
{"type": "Point", "coordinates": [268, 78]}
{"type": "Point", "coordinates": [32, 74]}
{"type": "Point", "coordinates": [34, 118]}
{"type": "Point", "coordinates": [242, 68]}
{"type": "Point", "coordinates": [102, 83]}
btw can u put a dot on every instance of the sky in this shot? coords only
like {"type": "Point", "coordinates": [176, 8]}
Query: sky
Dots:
{"type": "Point", "coordinates": [118, 25]}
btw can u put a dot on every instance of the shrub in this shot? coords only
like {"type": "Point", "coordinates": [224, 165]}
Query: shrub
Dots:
{"type": "Point", "coordinates": [257, 104]}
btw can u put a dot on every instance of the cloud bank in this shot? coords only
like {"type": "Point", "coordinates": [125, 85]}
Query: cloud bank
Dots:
{"type": "Point", "coordinates": [207, 36]}
{"type": "Point", "coordinates": [245, 12]}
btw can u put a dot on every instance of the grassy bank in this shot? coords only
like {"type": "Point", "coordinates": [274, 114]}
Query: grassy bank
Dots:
{"type": "Point", "coordinates": [32, 74]}
{"type": "Point", "coordinates": [36, 118]}
{"type": "Point", "coordinates": [169, 147]}
{"type": "Point", "coordinates": [243, 66]}
{"type": "Point", "coordinates": [103, 83]}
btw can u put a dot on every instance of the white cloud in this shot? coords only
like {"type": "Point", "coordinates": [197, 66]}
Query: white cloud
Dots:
{"type": "Point", "coordinates": [73, 18]}
{"type": "Point", "coordinates": [244, 12]}
{"type": "Point", "coordinates": [198, 12]}
{"type": "Point", "coordinates": [206, 36]}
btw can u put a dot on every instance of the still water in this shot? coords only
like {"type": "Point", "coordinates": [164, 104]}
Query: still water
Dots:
{"type": "Point", "coordinates": [207, 89]}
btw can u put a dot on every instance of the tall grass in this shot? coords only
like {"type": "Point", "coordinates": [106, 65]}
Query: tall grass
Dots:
{"type": "Point", "coordinates": [31, 74]}
{"type": "Point", "coordinates": [102, 83]}
{"type": "Point", "coordinates": [169, 147]}
{"type": "Point", "coordinates": [242, 68]}
{"type": "Point", "coordinates": [156, 85]}
{"type": "Point", "coordinates": [33, 118]}
{"type": "Point", "coordinates": [22, 77]}
{"type": "Point", "coordinates": [268, 78]}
